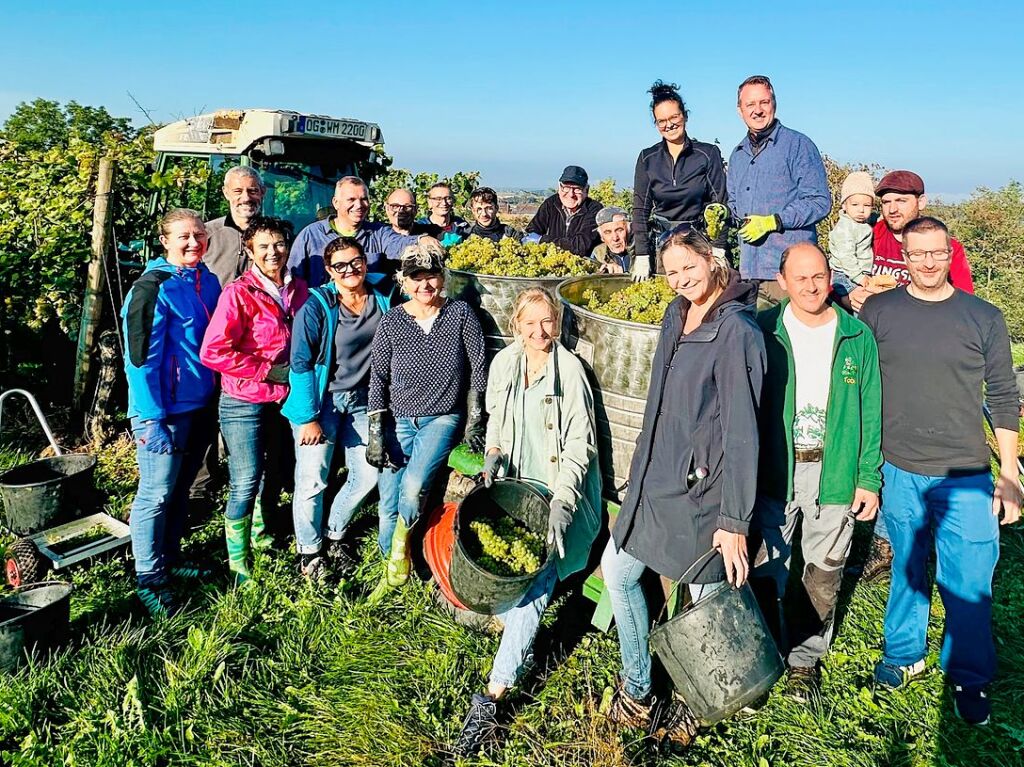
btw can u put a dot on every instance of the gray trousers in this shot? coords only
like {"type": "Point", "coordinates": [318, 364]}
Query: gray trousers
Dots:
{"type": "Point", "coordinates": [825, 545]}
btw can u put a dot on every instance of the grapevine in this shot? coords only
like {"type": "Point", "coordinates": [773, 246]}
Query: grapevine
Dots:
{"type": "Point", "coordinates": [507, 548]}
{"type": "Point", "coordinates": [644, 302]}
{"type": "Point", "coordinates": [509, 258]}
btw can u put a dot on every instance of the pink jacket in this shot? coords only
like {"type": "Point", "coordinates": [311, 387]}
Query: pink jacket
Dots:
{"type": "Point", "coordinates": [248, 334]}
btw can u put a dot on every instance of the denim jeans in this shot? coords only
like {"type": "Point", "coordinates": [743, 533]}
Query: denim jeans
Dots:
{"type": "Point", "coordinates": [521, 624]}
{"type": "Point", "coordinates": [953, 513]}
{"type": "Point", "coordinates": [420, 447]}
{"type": "Point", "coordinates": [622, 572]}
{"type": "Point", "coordinates": [252, 432]}
{"type": "Point", "coordinates": [344, 423]}
{"type": "Point", "coordinates": [160, 508]}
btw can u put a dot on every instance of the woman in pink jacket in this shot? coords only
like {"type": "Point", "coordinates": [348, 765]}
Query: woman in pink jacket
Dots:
{"type": "Point", "coordinates": [248, 343]}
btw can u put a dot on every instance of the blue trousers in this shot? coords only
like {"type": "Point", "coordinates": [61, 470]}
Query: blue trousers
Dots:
{"type": "Point", "coordinates": [954, 515]}
{"type": "Point", "coordinates": [252, 432]}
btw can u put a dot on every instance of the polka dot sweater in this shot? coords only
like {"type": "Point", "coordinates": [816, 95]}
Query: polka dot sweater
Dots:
{"type": "Point", "coordinates": [415, 374]}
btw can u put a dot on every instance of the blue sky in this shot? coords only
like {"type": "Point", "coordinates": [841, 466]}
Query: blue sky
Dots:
{"type": "Point", "coordinates": [517, 90]}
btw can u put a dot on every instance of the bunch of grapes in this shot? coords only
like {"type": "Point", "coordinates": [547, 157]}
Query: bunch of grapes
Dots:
{"type": "Point", "coordinates": [715, 215]}
{"type": "Point", "coordinates": [507, 547]}
{"type": "Point", "coordinates": [644, 302]}
{"type": "Point", "coordinates": [511, 258]}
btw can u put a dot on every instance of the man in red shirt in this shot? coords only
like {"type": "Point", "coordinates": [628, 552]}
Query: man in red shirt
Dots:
{"type": "Point", "coordinates": [902, 197]}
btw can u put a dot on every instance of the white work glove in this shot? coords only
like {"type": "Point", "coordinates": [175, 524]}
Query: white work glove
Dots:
{"type": "Point", "coordinates": [719, 254]}
{"type": "Point", "coordinates": [641, 268]}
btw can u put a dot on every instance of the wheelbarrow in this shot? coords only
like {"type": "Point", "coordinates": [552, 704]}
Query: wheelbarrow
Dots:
{"type": "Point", "coordinates": [42, 502]}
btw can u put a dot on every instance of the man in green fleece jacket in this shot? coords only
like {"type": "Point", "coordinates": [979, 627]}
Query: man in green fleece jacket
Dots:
{"type": "Point", "coordinates": [820, 457]}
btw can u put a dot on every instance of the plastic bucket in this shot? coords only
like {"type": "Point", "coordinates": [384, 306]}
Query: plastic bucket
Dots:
{"type": "Point", "coordinates": [478, 589]}
{"type": "Point", "coordinates": [34, 617]}
{"type": "Point", "coordinates": [44, 493]}
{"type": "Point", "coordinates": [719, 653]}
{"type": "Point", "coordinates": [438, 542]}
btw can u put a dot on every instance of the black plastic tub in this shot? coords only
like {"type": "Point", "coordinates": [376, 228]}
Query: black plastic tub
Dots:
{"type": "Point", "coordinates": [34, 618]}
{"type": "Point", "coordinates": [47, 492]}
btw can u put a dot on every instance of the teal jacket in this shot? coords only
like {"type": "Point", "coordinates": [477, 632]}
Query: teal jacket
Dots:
{"type": "Point", "coordinates": [312, 352]}
{"type": "Point", "coordinates": [852, 455]}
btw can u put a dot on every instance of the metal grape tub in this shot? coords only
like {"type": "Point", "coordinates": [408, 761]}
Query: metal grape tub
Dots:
{"type": "Point", "coordinates": [493, 298]}
{"type": "Point", "coordinates": [618, 355]}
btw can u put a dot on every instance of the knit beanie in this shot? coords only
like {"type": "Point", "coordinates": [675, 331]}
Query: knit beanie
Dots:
{"type": "Point", "coordinates": [858, 182]}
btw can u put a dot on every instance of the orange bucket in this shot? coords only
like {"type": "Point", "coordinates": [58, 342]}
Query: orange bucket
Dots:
{"type": "Point", "coordinates": [438, 542]}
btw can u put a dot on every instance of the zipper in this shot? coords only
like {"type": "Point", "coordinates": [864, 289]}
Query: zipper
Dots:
{"type": "Point", "coordinates": [175, 376]}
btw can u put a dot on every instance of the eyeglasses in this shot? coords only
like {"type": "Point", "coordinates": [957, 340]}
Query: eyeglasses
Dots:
{"type": "Point", "coordinates": [917, 256]}
{"type": "Point", "coordinates": [575, 191]}
{"type": "Point", "coordinates": [344, 267]}
{"type": "Point", "coordinates": [440, 199]}
{"type": "Point", "coordinates": [396, 208]}
{"type": "Point", "coordinates": [670, 122]}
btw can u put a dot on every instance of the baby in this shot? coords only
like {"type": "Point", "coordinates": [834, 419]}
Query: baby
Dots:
{"type": "Point", "coordinates": [849, 242]}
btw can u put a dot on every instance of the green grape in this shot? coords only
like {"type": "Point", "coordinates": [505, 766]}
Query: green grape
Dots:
{"type": "Point", "coordinates": [510, 258]}
{"type": "Point", "coordinates": [643, 302]}
{"type": "Point", "coordinates": [508, 547]}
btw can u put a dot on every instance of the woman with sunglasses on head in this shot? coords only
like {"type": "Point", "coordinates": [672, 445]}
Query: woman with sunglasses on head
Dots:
{"type": "Point", "coordinates": [330, 374]}
{"type": "Point", "coordinates": [676, 181]}
{"type": "Point", "coordinates": [692, 479]}
{"type": "Point", "coordinates": [248, 343]}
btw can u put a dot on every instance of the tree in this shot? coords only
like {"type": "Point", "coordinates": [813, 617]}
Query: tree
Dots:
{"type": "Point", "coordinates": [604, 192]}
{"type": "Point", "coordinates": [44, 124]}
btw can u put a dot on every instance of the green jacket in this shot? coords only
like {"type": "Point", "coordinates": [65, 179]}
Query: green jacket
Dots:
{"type": "Point", "coordinates": [852, 455]}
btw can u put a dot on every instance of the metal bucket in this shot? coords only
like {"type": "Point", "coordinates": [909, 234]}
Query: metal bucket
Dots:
{"type": "Point", "coordinates": [618, 355]}
{"type": "Point", "coordinates": [47, 492]}
{"type": "Point", "coordinates": [34, 617]}
{"type": "Point", "coordinates": [478, 589]}
{"type": "Point", "coordinates": [718, 652]}
{"type": "Point", "coordinates": [493, 298]}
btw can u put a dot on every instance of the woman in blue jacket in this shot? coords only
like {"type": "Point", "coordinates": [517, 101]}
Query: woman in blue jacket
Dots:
{"type": "Point", "coordinates": [164, 318]}
{"type": "Point", "coordinates": [330, 374]}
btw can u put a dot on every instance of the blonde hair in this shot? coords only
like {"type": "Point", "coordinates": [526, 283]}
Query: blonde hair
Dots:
{"type": "Point", "coordinates": [177, 214]}
{"type": "Point", "coordinates": [699, 245]}
{"type": "Point", "coordinates": [420, 256]}
{"type": "Point", "coordinates": [528, 298]}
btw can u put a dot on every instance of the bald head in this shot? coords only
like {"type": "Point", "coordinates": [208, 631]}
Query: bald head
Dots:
{"type": "Point", "coordinates": [401, 210]}
{"type": "Point", "coordinates": [801, 252]}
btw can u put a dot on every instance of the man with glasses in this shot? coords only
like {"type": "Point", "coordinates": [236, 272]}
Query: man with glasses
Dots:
{"type": "Point", "coordinates": [777, 186]}
{"type": "Point", "coordinates": [902, 197]}
{"type": "Point", "coordinates": [400, 209]}
{"type": "Point", "coordinates": [942, 354]}
{"type": "Point", "coordinates": [568, 218]}
{"type": "Point", "coordinates": [483, 205]}
{"type": "Point", "coordinates": [382, 244]}
{"type": "Point", "coordinates": [441, 202]}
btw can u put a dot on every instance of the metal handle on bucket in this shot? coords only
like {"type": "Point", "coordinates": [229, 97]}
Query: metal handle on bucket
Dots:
{"type": "Point", "coordinates": [702, 560]}
{"type": "Point", "coordinates": [38, 412]}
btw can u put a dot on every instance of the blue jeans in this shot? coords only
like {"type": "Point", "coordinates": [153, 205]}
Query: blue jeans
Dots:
{"type": "Point", "coordinates": [621, 572]}
{"type": "Point", "coordinates": [521, 624]}
{"type": "Point", "coordinates": [420, 447]}
{"type": "Point", "coordinates": [344, 423]}
{"type": "Point", "coordinates": [160, 508]}
{"type": "Point", "coordinates": [252, 434]}
{"type": "Point", "coordinates": [953, 513]}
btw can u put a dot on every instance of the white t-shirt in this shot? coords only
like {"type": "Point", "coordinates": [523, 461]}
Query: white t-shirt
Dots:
{"type": "Point", "coordinates": [812, 361]}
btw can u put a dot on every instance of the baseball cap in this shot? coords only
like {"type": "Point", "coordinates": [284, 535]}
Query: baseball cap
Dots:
{"type": "Point", "coordinates": [608, 213]}
{"type": "Point", "coordinates": [573, 174]}
{"type": "Point", "coordinates": [902, 181]}
{"type": "Point", "coordinates": [421, 257]}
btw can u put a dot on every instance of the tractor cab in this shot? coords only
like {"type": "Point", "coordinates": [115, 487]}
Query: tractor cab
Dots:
{"type": "Point", "coordinates": [300, 157]}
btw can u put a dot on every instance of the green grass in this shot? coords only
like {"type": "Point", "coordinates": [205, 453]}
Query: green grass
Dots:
{"type": "Point", "coordinates": [288, 674]}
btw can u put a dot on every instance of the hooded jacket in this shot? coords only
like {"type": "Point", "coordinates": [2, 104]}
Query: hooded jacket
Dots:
{"type": "Point", "coordinates": [249, 333]}
{"type": "Point", "coordinates": [567, 421]}
{"type": "Point", "coordinates": [163, 320]}
{"type": "Point", "coordinates": [666, 521]}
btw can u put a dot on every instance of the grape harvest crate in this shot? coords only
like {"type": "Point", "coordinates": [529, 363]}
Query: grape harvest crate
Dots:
{"type": "Point", "coordinates": [81, 539]}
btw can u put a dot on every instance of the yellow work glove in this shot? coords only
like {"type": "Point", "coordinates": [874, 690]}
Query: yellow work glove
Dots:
{"type": "Point", "coordinates": [715, 215]}
{"type": "Point", "coordinates": [756, 228]}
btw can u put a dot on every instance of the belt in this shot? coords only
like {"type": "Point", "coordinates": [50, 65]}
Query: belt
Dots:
{"type": "Point", "coordinates": [808, 454]}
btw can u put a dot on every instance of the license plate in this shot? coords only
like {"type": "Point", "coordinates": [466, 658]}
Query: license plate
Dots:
{"type": "Point", "coordinates": [325, 126]}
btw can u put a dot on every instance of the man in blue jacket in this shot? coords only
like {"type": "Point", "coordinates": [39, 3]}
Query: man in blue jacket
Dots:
{"type": "Point", "coordinates": [777, 186]}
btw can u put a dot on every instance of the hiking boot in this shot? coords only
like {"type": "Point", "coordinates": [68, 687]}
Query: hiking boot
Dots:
{"type": "Point", "coordinates": [803, 684]}
{"type": "Point", "coordinates": [629, 712]}
{"type": "Point", "coordinates": [894, 677]}
{"type": "Point", "coordinates": [340, 561]}
{"type": "Point", "coordinates": [479, 725]}
{"type": "Point", "coordinates": [879, 561]}
{"type": "Point", "coordinates": [675, 725]}
{"type": "Point", "coordinates": [158, 601]}
{"type": "Point", "coordinates": [236, 534]}
{"type": "Point", "coordinates": [313, 567]}
{"type": "Point", "coordinates": [972, 704]}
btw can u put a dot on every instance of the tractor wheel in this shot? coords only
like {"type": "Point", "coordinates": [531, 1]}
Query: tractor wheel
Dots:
{"type": "Point", "coordinates": [24, 563]}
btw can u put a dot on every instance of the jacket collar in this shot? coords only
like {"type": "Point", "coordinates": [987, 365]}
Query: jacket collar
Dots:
{"type": "Point", "coordinates": [846, 325]}
{"type": "Point", "coordinates": [773, 137]}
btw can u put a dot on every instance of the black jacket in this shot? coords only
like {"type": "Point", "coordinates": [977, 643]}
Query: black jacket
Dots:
{"type": "Point", "coordinates": [676, 190]}
{"type": "Point", "coordinates": [580, 238]}
{"type": "Point", "coordinates": [494, 233]}
{"type": "Point", "coordinates": [701, 412]}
